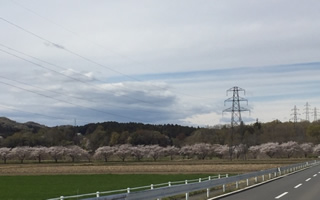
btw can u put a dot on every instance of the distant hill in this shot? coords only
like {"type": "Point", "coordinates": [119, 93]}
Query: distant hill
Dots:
{"type": "Point", "coordinates": [9, 127]}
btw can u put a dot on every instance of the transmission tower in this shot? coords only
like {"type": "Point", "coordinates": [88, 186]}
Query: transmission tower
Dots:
{"type": "Point", "coordinates": [236, 108]}
{"type": "Point", "coordinates": [315, 114]}
{"type": "Point", "coordinates": [306, 109]}
{"type": "Point", "coordinates": [295, 114]}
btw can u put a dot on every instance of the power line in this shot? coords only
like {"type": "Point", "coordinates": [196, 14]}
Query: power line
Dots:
{"type": "Point", "coordinates": [78, 55]}
{"type": "Point", "coordinates": [46, 96]}
{"type": "Point", "coordinates": [75, 79]}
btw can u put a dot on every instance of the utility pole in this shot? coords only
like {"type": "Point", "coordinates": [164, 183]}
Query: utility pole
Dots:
{"type": "Point", "coordinates": [306, 109]}
{"type": "Point", "coordinates": [295, 114]}
{"type": "Point", "coordinates": [235, 110]}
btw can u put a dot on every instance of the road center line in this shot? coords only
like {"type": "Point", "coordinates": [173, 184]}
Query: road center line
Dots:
{"type": "Point", "coordinates": [308, 179]}
{"type": "Point", "coordinates": [298, 186]}
{"type": "Point", "coordinates": [281, 195]}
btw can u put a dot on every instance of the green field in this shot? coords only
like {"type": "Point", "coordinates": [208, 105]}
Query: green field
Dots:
{"type": "Point", "coordinates": [51, 186]}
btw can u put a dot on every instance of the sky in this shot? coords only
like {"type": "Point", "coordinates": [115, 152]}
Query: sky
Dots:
{"type": "Point", "coordinates": [158, 61]}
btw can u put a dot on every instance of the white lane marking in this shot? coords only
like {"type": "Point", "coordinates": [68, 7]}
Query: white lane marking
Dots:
{"type": "Point", "coordinates": [315, 175]}
{"type": "Point", "coordinates": [308, 179]}
{"type": "Point", "coordinates": [298, 186]}
{"type": "Point", "coordinates": [281, 195]}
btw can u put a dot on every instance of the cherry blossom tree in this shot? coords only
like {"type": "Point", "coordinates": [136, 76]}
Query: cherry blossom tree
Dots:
{"type": "Point", "coordinates": [75, 152]}
{"type": "Point", "coordinates": [241, 149]}
{"type": "Point", "coordinates": [57, 152]}
{"type": "Point", "coordinates": [254, 150]}
{"type": "Point", "coordinates": [39, 153]}
{"type": "Point", "coordinates": [220, 150]}
{"type": "Point", "coordinates": [139, 152]}
{"type": "Point", "coordinates": [307, 148]}
{"type": "Point", "coordinates": [270, 148]}
{"type": "Point", "coordinates": [21, 153]}
{"type": "Point", "coordinates": [5, 154]}
{"type": "Point", "coordinates": [171, 151]}
{"type": "Point", "coordinates": [290, 148]}
{"type": "Point", "coordinates": [104, 152]}
{"type": "Point", "coordinates": [154, 151]}
{"type": "Point", "coordinates": [186, 151]}
{"type": "Point", "coordinates": [123, 151]}
{"type": "Point", "coordinates": [202, 150]}
{"type": "Point", "coordinates": [316, 149]}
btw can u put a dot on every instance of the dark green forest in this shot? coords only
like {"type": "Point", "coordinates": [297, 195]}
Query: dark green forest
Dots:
{"type": "Point", "coordinates": [95, 135]}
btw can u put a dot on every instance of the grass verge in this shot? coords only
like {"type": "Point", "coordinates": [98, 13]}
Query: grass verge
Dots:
{"type": "Point", "coordinates": [51, 186]}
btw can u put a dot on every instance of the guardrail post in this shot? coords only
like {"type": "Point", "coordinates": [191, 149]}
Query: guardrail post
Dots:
{"type": "Point", "coordinates": [208, 192]}
{"type": "Point", "coordinates": [227, 175]}
{"type": "Point", "coordinates": [256, 179]}
{"type": "Point", "coordinates": [187, 196]}
{"type": "Point", "coordinates": [128, 190]}
{"type": "Point", "coordinates": [151, 186]}
{"type": "Point", "coordinates": [219, 176]}
{"type": "Point", "coordinates": [98, 194]}
{"type": "Point", "coordinates": [169, 184]}
{"type": "Point", "coordinates": [209, 178]}
{"type": "Point", "coordinates": [199, 180]}
{"type": "Point", "coordinates": [223, 188]}
{"type": "Point", "coordinates": [247, 182]}
{"type": "Point", "coordinates": [263, 178]}
{"type": "Point", "coordinates": [269, 176]}
{"type": "Point", "coordinates": [61, 198]}
{"type": "Point", "coordinates": [186, 181]}
{"type": "Point", "coordinates": [237, 185]}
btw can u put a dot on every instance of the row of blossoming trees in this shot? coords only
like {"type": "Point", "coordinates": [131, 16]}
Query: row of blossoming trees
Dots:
{"type": "Point", "coordinates": [124, 152]}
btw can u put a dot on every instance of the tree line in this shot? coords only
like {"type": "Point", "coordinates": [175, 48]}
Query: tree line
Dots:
{"type": "Point", "coordinates": [93, 136]}
{"type": "Point", "coordinates": [124, 152]}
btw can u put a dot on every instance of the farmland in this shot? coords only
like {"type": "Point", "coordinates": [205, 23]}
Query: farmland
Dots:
{"type": "Point", "coordinates": [47, 180]}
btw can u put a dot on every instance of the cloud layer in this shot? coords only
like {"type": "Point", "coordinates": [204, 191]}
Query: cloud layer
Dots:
{"type": "Point", "coordinates": [157, 61]}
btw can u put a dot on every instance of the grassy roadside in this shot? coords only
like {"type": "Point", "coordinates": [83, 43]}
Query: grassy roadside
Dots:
{"type": "Point", "coordinates": [50, 186]}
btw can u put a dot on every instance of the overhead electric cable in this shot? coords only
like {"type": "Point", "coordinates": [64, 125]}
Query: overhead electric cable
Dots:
{"type": "Point", "coordinates": [41, 66]}
{"type": "Point", "coordinates": [83, 57]}
{"type": "Point", "coordinates": [46, 96]}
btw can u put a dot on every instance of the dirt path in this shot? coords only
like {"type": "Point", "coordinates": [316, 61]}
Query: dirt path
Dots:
{"type": "Point", "coordinates": [51, 169]}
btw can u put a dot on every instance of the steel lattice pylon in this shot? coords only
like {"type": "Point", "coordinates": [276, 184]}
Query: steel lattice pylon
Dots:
{"type": "Point", "coordinates": [295, 114]}
{"type": "Point", "coordinates": [236, 108]}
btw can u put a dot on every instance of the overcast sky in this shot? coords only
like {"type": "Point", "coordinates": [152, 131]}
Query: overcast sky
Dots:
{"type": "Point", "coordinates": [158, 62]}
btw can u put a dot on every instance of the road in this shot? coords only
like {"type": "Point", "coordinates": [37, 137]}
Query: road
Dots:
{"type": "Point", "coordinates": [303, 185]}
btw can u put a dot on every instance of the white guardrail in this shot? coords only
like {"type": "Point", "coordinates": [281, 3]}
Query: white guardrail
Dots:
{"type": "Point", "coordinates": [158, 191]}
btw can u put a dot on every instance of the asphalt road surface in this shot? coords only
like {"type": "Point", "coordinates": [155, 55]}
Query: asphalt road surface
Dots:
{"type": "Point", "coordinates": [303, 185]}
